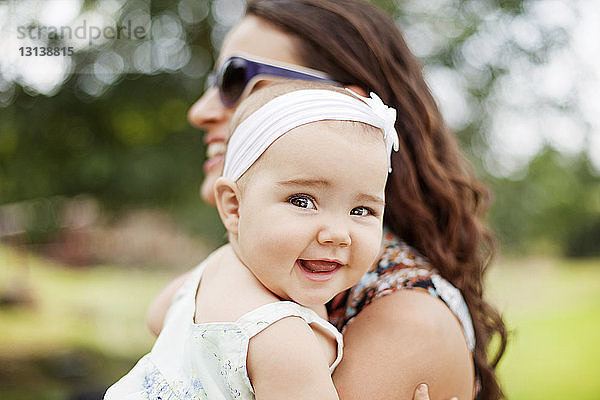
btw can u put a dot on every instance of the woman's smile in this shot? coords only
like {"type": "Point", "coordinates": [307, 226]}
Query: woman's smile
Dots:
{"type": "Point", "coordinates": [215, 155]}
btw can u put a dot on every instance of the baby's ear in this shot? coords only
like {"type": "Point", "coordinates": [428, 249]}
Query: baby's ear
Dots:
{"type": "Point", "coordinates": [227, 196]}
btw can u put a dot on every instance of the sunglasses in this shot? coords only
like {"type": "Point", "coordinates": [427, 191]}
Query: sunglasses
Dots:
{"type": "Point", "coordinates": [238, 75]}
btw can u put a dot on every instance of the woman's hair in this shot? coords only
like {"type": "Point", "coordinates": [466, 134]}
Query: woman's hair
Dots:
{"type": "Point", "coordinates": [435, 203]}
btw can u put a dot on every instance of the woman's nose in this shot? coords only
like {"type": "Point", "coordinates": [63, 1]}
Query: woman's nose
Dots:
{"type": "Point", "coordinates": [208, 110]}
{"type": "Point", "coordinates": [334, 235]}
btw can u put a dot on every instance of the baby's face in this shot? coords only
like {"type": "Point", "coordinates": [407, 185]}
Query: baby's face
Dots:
{"type": "Point", "coordinates": [311, 210]}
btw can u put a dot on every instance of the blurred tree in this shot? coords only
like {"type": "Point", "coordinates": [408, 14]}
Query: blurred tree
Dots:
{"type": "Point", "coordinates": [121, 136]}
{"type": "Point", "coordinates": [551, 209]}
{"type": "Point", "coordinates": [110, 121]}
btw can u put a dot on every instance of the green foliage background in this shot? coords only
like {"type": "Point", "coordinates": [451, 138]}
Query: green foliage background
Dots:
{"type": "Point", "coordinates": [131, 146]}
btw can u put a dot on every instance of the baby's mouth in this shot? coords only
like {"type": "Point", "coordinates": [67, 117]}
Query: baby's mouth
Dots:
{"type": "Point", "coordinates": [319, 270]}
{"type": "Point", "coordinates": [319, 266]}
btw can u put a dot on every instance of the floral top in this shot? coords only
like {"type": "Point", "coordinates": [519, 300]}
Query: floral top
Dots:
{"type": "Point", "coordinates": [400, 267]}
{"type": "Point", "coordinates": [207, 360]}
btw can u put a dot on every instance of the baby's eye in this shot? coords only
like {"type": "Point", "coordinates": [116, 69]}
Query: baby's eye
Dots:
{"type": "Point", "coordinates": [361, 211]}
{"type": "Point", "coordinates": [302, 201]}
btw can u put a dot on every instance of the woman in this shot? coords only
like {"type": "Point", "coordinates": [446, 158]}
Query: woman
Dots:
{"type": "Point", "coordinates": [396, 338]}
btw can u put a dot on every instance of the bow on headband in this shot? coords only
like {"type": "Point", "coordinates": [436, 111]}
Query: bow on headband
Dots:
{"type": "Point", "coordinates": [388, 117]}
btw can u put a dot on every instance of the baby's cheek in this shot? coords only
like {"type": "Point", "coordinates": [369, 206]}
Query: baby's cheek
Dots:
{"type": "Point", "coordinates": [280, 237]}
{"type": "Point", "coordinates": [371, 246]}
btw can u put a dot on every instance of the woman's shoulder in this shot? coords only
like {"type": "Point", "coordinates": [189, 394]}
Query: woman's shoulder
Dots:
{"type": "Point", "coordinates": [401, 267]}
{"type": "Point", "coordinates": [412, 335]}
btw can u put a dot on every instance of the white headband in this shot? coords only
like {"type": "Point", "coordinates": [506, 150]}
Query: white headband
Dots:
{"type": "Point", "coordinates": [257, 132]}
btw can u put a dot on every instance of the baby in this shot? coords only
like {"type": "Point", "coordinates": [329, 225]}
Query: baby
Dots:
{"type": "Point", "coordinates": [302, 199]}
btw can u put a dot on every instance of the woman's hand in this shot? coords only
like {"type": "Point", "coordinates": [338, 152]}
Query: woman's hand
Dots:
{"type": "Point", "coordinates": [422, 393]}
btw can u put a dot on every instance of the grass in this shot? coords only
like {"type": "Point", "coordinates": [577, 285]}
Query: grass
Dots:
{"type": "Point", "coordinates": [82, 330]}
{"type": "Point", "coordinates": [85, 327]}
{"type": "Point", "coordinates": [100, 308]}
{"type": "Point", "coordinates": [552, 308]}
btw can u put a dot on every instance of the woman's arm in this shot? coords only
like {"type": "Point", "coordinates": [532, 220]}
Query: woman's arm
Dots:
{"type": "Point", "coordinates": [155, 316]}
{"type": "Point", "coordinates": [399, 341]}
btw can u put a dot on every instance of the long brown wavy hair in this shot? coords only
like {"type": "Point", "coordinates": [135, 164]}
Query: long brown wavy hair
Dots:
{"type": "Point", "coordinates": [435, 203]}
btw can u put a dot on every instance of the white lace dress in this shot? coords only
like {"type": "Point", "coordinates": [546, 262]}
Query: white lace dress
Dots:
{"type": "Point", "coordinates": [205, 361]}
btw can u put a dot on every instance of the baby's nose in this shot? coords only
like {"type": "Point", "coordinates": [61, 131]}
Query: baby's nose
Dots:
{"type": "Point", "coordinates": [332, 235]}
